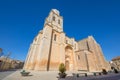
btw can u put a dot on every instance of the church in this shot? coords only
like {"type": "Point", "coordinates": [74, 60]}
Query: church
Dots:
{"type": "Point", "coordinates": [51, 47]}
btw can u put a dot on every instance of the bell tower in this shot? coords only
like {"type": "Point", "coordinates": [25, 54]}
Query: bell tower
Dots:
{"type": "Point", "coordinates": [55, 20]}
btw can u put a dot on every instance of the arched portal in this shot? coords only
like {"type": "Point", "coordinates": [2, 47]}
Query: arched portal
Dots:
{"type": "Point", "coordinates": [69, 58]}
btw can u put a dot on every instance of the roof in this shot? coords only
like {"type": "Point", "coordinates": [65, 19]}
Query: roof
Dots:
{"type": "Point", "coordinates": [116, 58]}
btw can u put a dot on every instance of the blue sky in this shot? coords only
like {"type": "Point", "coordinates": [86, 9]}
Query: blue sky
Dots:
{"type": "Point", "coordinates": [21, 20]}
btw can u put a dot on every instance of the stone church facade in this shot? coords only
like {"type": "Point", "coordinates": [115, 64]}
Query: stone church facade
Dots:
{"type": "Point", "coordinates": [51, 47]}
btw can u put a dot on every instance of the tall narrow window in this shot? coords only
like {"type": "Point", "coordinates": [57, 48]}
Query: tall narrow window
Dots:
{"type": "Point", "coordinates": [88, 46]}
{"type": "Point", "coordinates": [53, 18]}
{"type": "Point", "coordinates": [55, 37]}
{"type": "Point", "coordinates": [58, 21]}
{"type": "Point", "coordinates": [78, 57]}
{"type": "Point", "coordinates": [75, 46]}
{"type": "Point", "coordinates": [66, 41]}
{"type": "Point", "coordinates": [35, 39]}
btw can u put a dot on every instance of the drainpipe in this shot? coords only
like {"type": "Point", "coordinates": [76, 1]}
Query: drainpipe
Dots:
{"type": "Point", "coordinates": [87, 64]}
{"type": "Point", "coordinates": [49, 55]}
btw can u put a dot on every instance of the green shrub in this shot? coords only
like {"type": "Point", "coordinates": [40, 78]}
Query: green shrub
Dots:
{"type": "Point", "coordinates": [23, 71]}
{"type": "Point", "coordinates": [62, 68]}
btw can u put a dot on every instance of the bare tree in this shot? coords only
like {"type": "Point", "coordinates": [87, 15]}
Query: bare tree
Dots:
{"type": "Point", "coordinates": [4, 62]}
{"type": "Point", "coordinates": [1, 52]}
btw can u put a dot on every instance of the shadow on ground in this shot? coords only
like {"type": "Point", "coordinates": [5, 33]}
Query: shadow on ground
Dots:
{"type": "Point", "coordinates": [4, 74]}
{"type": "Point", "coordinates": [91, 77]}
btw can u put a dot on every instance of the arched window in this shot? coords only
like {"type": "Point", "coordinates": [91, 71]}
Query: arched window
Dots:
{"type": "Point", "coordinates": [55, 37]}
{"type": "Point", "coordinates": [53, 18]}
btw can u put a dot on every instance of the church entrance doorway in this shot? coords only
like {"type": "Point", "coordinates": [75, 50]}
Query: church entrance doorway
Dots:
{"type": "Point", "coordinates": [69, 58]}
{"type": "Point", "coordinates": [67, 65]}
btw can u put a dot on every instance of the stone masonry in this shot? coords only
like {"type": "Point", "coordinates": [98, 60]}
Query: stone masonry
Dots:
{"type": "Point", "coordinates": [51, 47]}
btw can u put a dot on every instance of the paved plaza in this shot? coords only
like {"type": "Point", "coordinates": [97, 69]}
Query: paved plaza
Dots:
{"type": "Point", "coordinates": [53, 75]}
{"type": "Point", "coordinates": [4, 74]}
{"type": "Point", "coordinates": [34, 75]}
